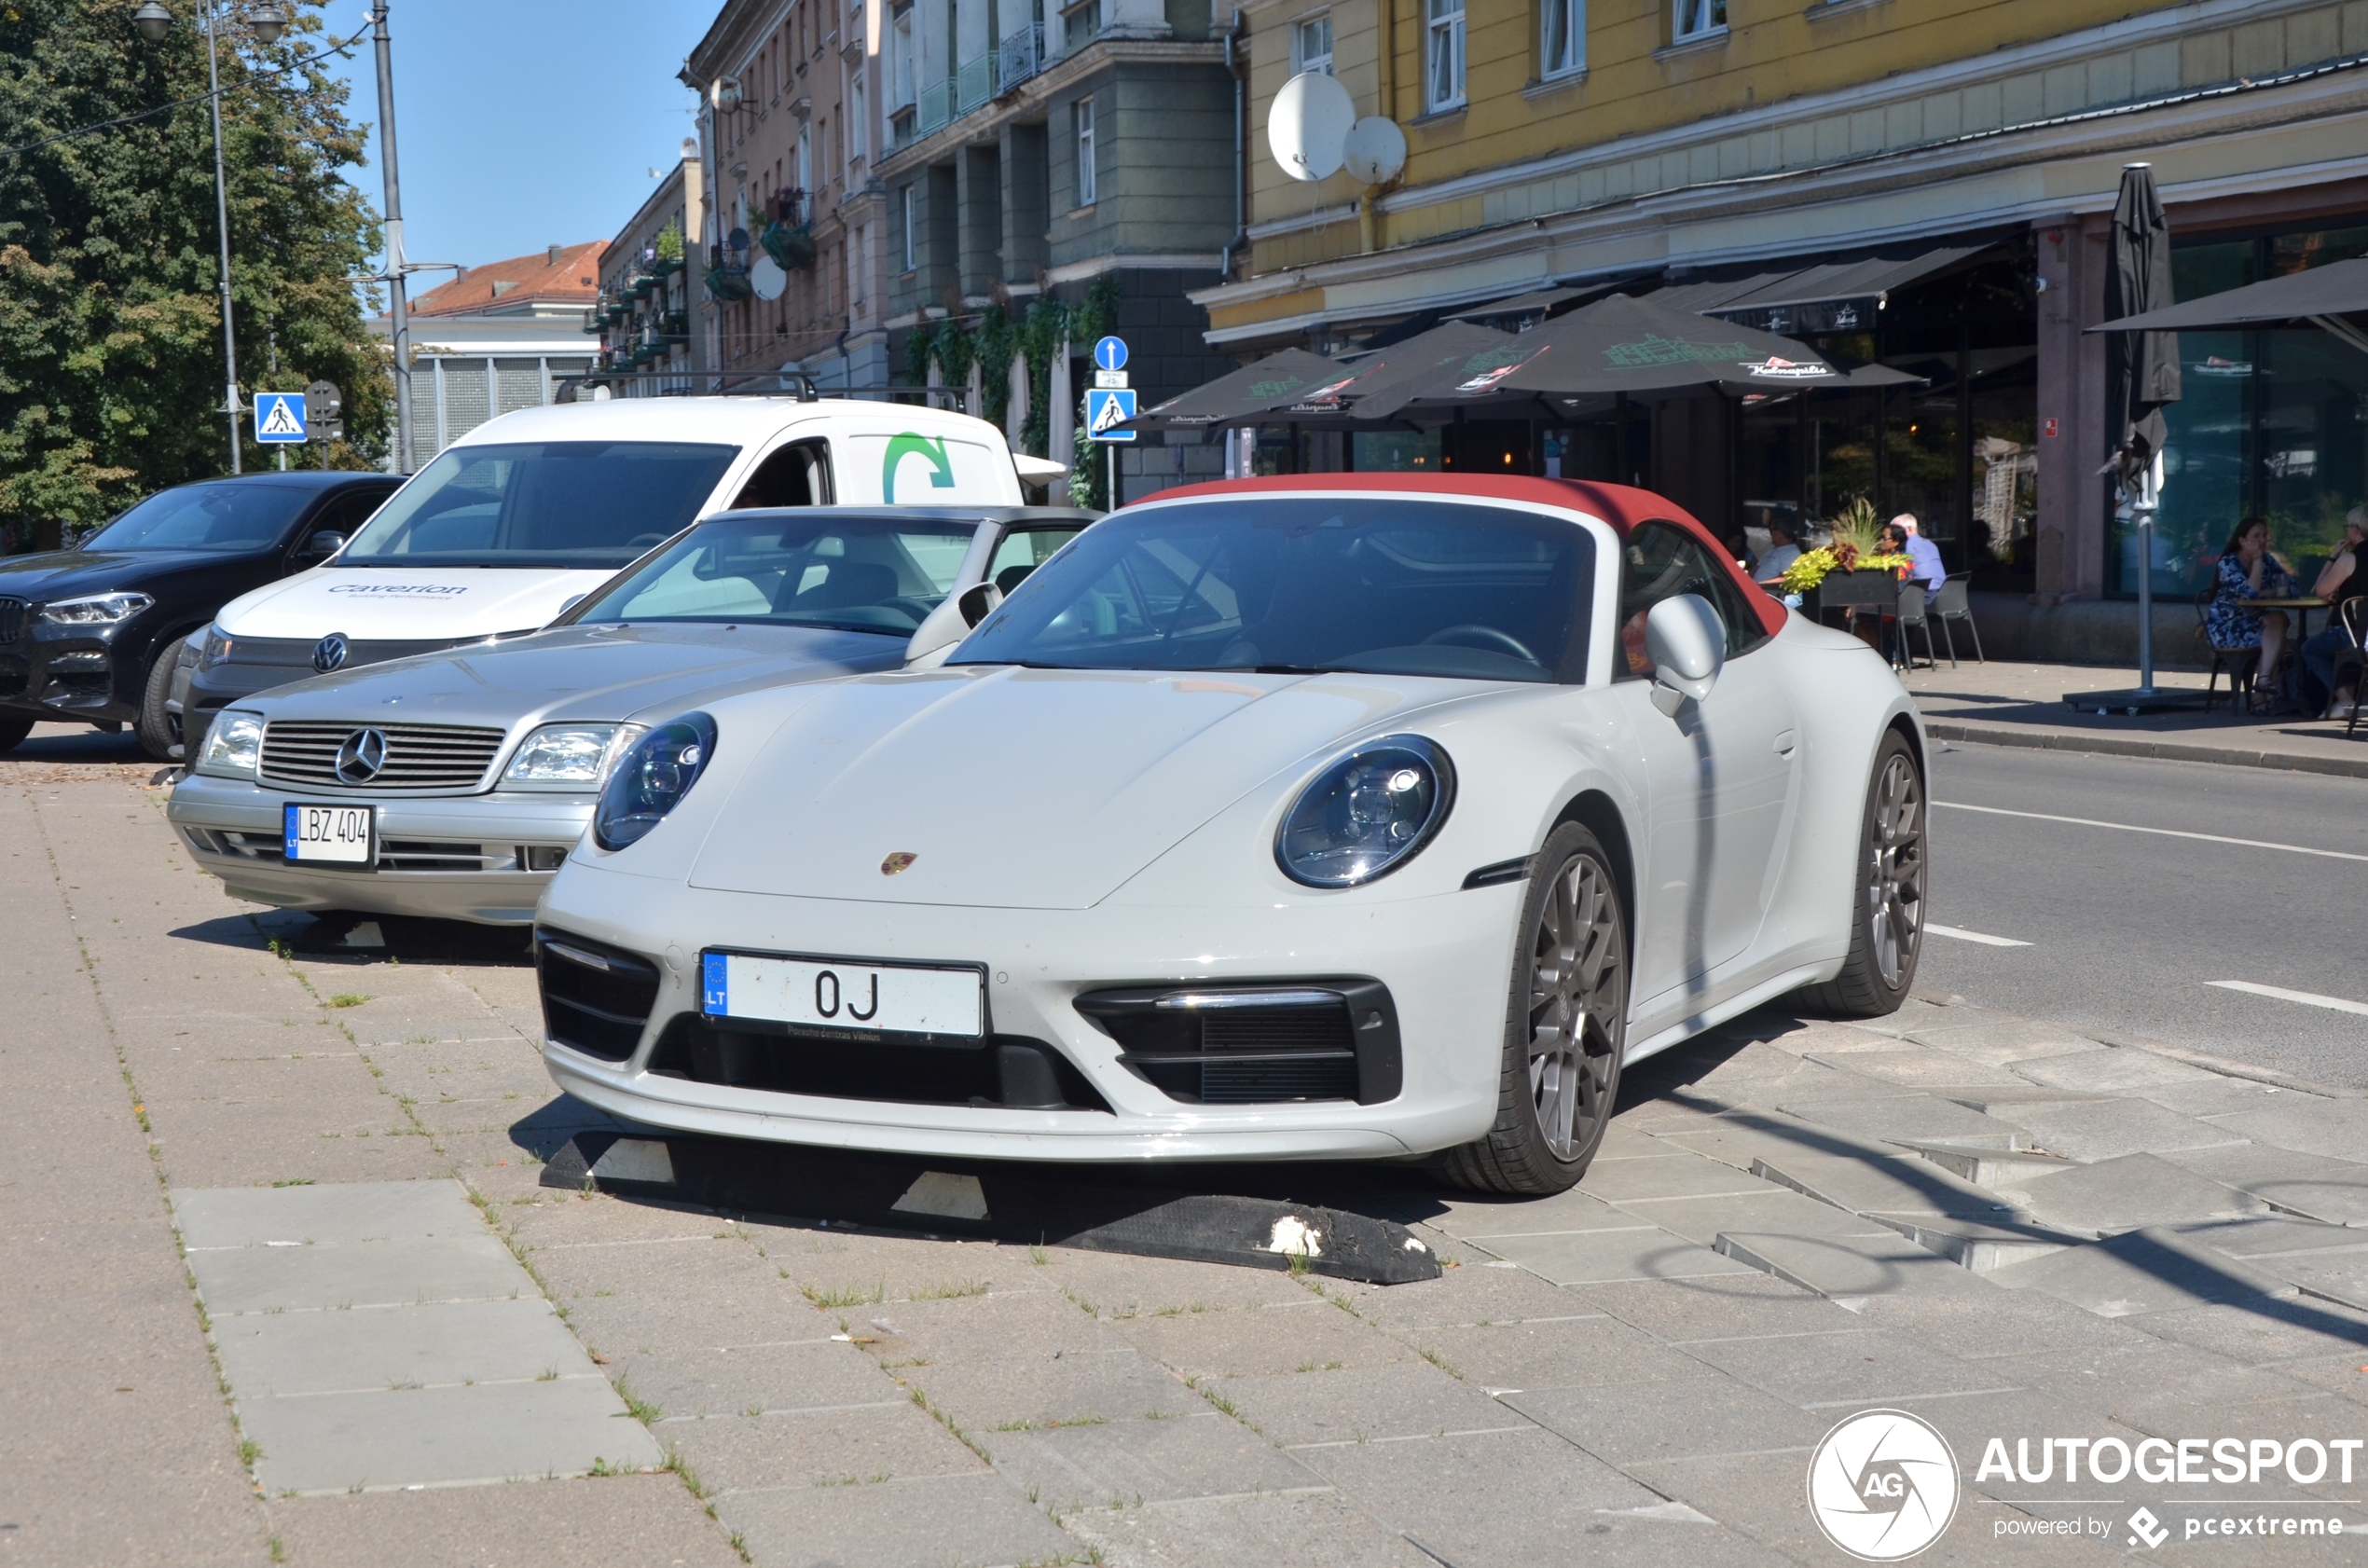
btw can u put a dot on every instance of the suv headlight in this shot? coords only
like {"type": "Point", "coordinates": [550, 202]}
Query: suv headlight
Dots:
{"type": "Point", "coordinates": [217, 648]}
{"type": "Point", "coordinates": [233, 746]}
{"type": "Point", "coordinates": [652, 778]}
{"type": "Point", "coordinates": [1367, 814]}
{"type": "Point", "coordinates": [95, 609]}
{"type": "Point", "coordinates": [576, 757]}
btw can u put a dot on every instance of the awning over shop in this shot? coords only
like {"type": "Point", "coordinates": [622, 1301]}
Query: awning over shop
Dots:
{"type": "Point", "coordinates": [1832, 296]}
{"type": "Point", "coordinates": [2334, 296]}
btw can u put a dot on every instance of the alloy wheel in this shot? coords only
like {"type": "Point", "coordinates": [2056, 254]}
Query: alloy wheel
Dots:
{"type": "Point", "coordinates": [1576, 997]}
{"type": "Point", "coordinates": [1896, 870]}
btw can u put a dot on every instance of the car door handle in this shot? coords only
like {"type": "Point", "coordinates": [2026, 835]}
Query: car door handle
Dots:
{"type": "Point", "coordinates": [1786, 743]}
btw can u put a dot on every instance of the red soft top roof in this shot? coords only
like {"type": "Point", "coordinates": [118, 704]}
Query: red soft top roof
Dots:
{"type": "Point", "coordinates": [1621, 507]}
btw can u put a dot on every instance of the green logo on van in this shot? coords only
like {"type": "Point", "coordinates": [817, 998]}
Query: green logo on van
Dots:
{"type": "Point", "coordinates": [910, 445]}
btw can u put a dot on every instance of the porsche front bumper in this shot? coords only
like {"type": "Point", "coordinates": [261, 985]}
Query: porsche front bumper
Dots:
{"type": "Point", "coordinates": [1444, 962]}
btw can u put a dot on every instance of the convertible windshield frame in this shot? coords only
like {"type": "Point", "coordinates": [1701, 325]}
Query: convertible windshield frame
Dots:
{"type": "Point", "coordinates": [884, 533]}
{"type": "Point", "coordinates": [1306, 583]}
{"type": "Point", "coordinates": [502, 504]}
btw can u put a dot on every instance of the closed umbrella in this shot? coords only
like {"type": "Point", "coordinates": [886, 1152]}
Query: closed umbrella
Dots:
{"type": "Point", "coordinates": [2142, 375]}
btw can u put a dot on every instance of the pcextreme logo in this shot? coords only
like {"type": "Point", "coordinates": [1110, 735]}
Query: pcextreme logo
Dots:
{"type": "Point", "coordinates": [1882, 1485]}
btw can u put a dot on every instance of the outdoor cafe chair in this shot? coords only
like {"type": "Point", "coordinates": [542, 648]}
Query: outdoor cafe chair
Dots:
{"type": "Point", "coordinates": [1912, 618]}
{"type": "Point", "coordinates": [2353, 617]}
{"type": "Point", "coordinates": [1953, 605]}
{"type": "Point", "coordinates": [2241, 663]}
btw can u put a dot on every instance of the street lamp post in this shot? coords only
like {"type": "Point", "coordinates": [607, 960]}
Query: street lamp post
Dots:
{"type": "Point", "coordinates": [398, 311]}
{"type": "Point", "coordinates": [269, 22]}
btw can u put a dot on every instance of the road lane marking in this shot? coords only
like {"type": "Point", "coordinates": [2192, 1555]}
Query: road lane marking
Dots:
{"type": "Point", "coordinates": [1986, 939]}
{"type": "Point", "coordinates": [2166, 833]}
{"type": "Point", "coordinates": [2309, 998]}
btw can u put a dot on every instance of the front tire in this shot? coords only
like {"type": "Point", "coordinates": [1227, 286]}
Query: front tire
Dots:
{"type": "Point", "coordinates": [1887, 901]}
{"type": "Point", "coordinates": [155, 726]}
{"type": "Point", "coordinates": [1566, 1029]}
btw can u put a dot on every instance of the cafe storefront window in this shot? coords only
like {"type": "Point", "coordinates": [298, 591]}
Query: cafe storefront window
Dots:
{"type": "Point", "coordinates": [2271, 424]}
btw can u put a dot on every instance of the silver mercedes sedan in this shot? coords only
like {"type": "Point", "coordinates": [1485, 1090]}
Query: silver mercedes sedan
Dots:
{"type": "Point", "coordinates": [454, 784]}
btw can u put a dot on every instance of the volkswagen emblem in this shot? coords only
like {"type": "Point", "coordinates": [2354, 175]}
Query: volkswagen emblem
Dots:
{"type": "Point", "coordinates": [329, 653]}
{"type": "Point", "coordinates": [364, 753]}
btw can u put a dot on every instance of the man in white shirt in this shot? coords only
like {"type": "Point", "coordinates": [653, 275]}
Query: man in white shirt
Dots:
{"type": "Point", "coordinates": [1924, 554]}
{"type": "Point", "coordinates": [1783, 551]}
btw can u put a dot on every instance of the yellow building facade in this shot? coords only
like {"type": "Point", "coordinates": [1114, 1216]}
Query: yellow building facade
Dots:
{"type": "Point", "coordinates": [1651, 144]}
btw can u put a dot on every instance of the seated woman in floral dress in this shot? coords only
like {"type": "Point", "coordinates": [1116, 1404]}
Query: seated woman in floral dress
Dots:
{"type": "Point", "coordinates": [2248, 572]}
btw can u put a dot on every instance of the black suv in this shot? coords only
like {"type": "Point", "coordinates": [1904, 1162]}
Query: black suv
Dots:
{"type": "Point", "coordinates": [91, 634]}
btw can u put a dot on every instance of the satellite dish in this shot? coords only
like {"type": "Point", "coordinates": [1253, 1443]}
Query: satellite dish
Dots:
{"type": "Point", "coordinates": [1308, 125]}
{"type": "Point", "coordinates": [766, 277]}
{"type": "Point", "coordinates": [1375, 151]}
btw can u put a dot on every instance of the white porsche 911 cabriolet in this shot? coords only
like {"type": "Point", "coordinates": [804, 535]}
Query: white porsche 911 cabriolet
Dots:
{"type": "Point", "coordinates": [1342, 816]}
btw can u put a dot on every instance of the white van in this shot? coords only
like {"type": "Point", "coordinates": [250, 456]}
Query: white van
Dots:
{"type": "Point", "coordinates": [531, 511]}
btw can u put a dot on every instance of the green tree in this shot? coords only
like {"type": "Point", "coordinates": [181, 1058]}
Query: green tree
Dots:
{"type": "Point", "coordinates": [111, 377]}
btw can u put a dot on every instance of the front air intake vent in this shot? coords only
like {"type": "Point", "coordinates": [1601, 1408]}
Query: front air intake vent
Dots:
{"type": "Point", "coordinates": [596, 998]}
{"type": "Point", "coordinates": [1256, 1044]}
{"type": "Point", "coordinates": [446, 758]}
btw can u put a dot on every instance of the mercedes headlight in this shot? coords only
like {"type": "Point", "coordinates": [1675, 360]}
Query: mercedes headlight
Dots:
{"type": "Point", "coordinates": [95, 609]}
{"type": "Point", "coordinates": [1367, 814]}
{"type": "Point", "coordinates": [652, 778]}
{"type": "Point", "coordinates": [576, 757]}
{"type": "Point", "coordinates": [233, 746]}
{"type": "Point", "coordinates": [217, 648]}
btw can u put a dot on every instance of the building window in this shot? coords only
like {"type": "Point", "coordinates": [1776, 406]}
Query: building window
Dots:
{"type": "Point", "coordinates": [1312, 44]}
{"type": "Point", "coordinates": [804, 175]}
{"type": "Point", "coordinates": [1698, 18]}
{"type": "Point", "coordinates": [901, 61]}
{"type": "Point", "coordinates": [905, 239]}
{"type": "Point", "coordinates": [1443, 59]}
{"type": "Point", "coordinates": [1562, 38]}
{"type": "Point", "coordinates": [859, 129]}
{"type": "Point", "coordinates": [1083, 114]}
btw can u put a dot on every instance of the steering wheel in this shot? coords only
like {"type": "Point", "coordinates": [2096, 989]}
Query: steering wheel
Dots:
{"type": "Point", "coordinates": [1486, 638]}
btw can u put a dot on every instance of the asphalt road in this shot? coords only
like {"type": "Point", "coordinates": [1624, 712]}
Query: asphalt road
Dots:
{"type": "Point", "coordinates": [2128, 931]}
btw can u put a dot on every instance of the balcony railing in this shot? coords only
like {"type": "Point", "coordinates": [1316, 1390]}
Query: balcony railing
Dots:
{"type": "Point", "coordinates": [1021, 57]}
{"type": "Point", "coordinates": [936, 108]}
{"type": "Point", "coordinates": [975, 84]}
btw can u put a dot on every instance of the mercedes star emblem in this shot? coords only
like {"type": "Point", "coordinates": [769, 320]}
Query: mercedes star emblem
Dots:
{"type": "Point", "coordinates": [364, 753]}
{"type": "Point", "coordinates": [329, 653]}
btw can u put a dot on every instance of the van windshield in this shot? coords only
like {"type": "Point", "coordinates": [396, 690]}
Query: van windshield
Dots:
{"type": "Point", "coordinates": [586, 505]}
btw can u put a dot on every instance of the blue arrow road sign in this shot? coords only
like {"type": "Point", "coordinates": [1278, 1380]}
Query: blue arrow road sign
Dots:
{"type": "Point", "coordinates": [278, 417]}
{"type": "Point", "coordinates": [1106, 407]}
{"type": "Point", "coordinates": [1110, 354]}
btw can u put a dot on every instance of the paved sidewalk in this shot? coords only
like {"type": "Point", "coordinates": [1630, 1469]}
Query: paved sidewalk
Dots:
{"type": "Point", "coordinates": [2011, 1229]}
{"type": "Point", "coordinates": [2003, 704]}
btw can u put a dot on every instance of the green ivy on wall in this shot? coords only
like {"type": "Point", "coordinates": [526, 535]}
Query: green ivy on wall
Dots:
{"type": "Point", "coordinates": [992, 339]}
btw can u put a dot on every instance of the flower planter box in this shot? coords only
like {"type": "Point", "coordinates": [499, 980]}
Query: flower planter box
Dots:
{"type": "Point", "coordinates": [727, 284]}
{"type": "Point", "coordinates": [793, 248]}
{"type": "Point", "coordinates": [1855, 590]}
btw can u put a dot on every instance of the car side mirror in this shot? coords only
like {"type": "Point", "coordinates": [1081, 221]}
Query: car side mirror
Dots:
{"type": "Point", "coordinates": [322, 545]}
{"type": "Point", "coordinates": [1686, 644]}
{"type": "Point", "coordinates": [949, 624]}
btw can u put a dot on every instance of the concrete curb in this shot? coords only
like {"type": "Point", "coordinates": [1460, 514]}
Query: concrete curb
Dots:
{"type": "Point", "coordinates": [2135, 745]}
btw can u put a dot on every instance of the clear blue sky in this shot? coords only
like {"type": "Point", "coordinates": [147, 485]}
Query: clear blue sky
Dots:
{"type": "Point", "coordinates": [522, 123]}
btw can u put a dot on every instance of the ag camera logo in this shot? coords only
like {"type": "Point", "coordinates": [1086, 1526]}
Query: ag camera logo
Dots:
{"type": "Point", "coordinates": [1883, 1485]}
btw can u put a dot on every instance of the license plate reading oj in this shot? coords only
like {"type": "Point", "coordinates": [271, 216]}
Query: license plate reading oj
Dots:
{"type": "Point", "coordinates": [337, 833]}
{"type": "Point", "coordinates": [844, 994]}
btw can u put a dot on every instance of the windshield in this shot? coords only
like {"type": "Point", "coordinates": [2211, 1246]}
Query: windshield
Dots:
{"type": "Point", "coordinates": [1295, 584]}
{"type": "Point", "coordinates": [580, 504]}
{"type": "Point", "coordinates": [805, 568]}
{"type": "Point", "coordinates": [230, 517]}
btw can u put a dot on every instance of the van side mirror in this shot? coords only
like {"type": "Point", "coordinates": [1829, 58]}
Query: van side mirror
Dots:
{"type": "Point", "coordinates": [322, 545]}
{"type": "Point", "coordinates": [949, 624]}
{"type": "Point", "coordinates": [1686, 643]}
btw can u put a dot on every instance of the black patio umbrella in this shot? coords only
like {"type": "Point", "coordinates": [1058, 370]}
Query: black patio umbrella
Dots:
{"type": "Point", "coordinates": [1276, 379]}
{"type": "Point", "coordinates": [1387, 379]}
{"type": "Point", "coordinates": [2142, 375]}
{"type": "Point", "coordinates": [2334, 297]}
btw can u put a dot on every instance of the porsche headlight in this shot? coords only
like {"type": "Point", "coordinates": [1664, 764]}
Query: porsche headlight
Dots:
{"type": "Point", "coordinates": [652, 778]}
{"type": "Point", "coordinates": [1367, 814]}
{"type": "Point", "coordinates": [97, 610]}
{"type": "Point", "coordinates": [570, 757]}
{"type": "Point", "coordinates": [232, 745]}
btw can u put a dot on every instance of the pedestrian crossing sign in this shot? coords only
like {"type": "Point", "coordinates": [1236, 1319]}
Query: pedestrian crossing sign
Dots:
{"type": "Point", "coordinates": [279, 417]}
{"type": "Point", "coordinates": [1107, 408]}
